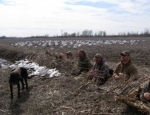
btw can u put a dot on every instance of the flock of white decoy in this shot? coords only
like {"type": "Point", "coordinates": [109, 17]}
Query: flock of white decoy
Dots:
{"type": "Point", "coordinates": [72, 43]}
{"type": "Point", "coordinates": [4, 63]}
{"type": "Point", "coordinates": [34, 68]}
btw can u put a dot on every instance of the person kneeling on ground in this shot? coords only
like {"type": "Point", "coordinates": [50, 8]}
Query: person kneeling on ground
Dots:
{"type": "Point", "coordinates": [125, 68]}
{"type": "Point", "coordinates": [100, 71]}
{"type": "Point", "coordinates": [84, 64]}
{"type": "Point", "coordinates": [69, 55]}
{"type": "Point", "coordinates": [142, 93]}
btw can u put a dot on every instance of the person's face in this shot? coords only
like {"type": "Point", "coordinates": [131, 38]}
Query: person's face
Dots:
{"type": "Point", "coordinates": [97, 60]}
{"type": "Point", "coordinates": [80, 54]}
{"type": "Point", "coordinates": [69, 56]}
{"type": "Point", "coordinates": [125, 58]}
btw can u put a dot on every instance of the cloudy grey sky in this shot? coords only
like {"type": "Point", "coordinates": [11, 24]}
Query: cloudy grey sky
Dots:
{"type": "Point", "coordinates": [40, 17]}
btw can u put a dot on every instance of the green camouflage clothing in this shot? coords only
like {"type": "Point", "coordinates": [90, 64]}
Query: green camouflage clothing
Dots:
{"type": "Point", "coordinates": [84, 64]}
{"type": "Point", "coordinates": [103, 67]}
{"type": "Point", "coordinates": [145, 87]}
{"type": "Point", "coordinates": [103, 74]}
{"type": "Point", "coordinates": [139, 92]}
{"type": "Point", "coordinates": [128, 69]}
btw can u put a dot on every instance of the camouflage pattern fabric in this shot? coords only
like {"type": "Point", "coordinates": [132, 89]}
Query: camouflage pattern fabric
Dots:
{"type": "Point", "coordinates": [145, 87]}
{"type": "Point", "coordinates": [128, 69]}
{"type": "Point", "coordinates": [103, 68]}
{"type": "Point", "coordinates": [102, 72]}
{"type": "Point", "coordinates": [84, 65]}
{"type": "Point", "coordinates": [138, 93]}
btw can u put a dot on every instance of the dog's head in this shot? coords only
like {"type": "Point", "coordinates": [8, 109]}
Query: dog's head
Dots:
{"type": "Point", "coordinates": [14, 78]}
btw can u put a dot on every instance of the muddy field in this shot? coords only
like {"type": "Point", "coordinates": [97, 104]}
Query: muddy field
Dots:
{"type": "Point", "coordinates": [67, 94]}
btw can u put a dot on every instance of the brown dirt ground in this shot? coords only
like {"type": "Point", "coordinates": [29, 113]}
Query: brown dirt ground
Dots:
{"type": "Point", "coordinates": [63, 95]}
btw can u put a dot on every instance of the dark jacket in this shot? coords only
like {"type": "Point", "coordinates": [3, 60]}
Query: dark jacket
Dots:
{"type": "Point", "coordinates": [146, 86]}
{"type": "Point", "coordinates": [103, 67]}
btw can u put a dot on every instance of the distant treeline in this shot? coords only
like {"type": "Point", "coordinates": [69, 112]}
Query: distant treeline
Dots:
{"type": "Point", "coordinates": [90, 33]}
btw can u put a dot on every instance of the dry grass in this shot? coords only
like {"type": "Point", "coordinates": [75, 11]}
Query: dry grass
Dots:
{"type": "Point", "coordinates": [66, 95]}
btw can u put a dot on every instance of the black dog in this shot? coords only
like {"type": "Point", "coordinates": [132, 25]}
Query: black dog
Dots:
{"type": "Point", "coordinates": [20, 74]}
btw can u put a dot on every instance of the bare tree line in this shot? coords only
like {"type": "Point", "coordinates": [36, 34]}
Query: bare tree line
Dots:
{"type": "Point", "coordinates": [90, 33]}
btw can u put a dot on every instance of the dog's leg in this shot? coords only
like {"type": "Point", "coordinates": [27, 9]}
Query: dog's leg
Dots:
{"type": "Point", "coordinates": [25, 79]}
{"type": "Point", "coordinates": [22, 83]}
{"type": "Point", "coordinates": [11, 91]}
{"type": "Point", "coordinates": [18, 85]}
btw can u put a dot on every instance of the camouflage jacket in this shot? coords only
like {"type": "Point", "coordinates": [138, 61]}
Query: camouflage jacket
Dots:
{"type": "Point", "coordinates": [103, 68]}
{"type": "Point", "coordinates": [145, 87]}
{"type": "Point", "coordinates": [128, 69]}
{"type": "Point", "coordinates": [84, 64]}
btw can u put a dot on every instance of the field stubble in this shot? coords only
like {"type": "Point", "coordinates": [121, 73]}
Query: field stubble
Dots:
{"type": "Point", "coordinates": [67, 94]}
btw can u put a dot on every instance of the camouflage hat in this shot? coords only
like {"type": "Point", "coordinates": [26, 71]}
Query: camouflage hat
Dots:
{"type": "Point", "coordinates": [125, 53]}
{"type": "Point", "coordinates": [69, 52]}
{"type": "Point", "coordinates": [97, 55]}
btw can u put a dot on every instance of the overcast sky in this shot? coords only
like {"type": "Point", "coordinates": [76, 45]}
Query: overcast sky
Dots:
{"type": "Point", "coordinates": [40, 17]}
